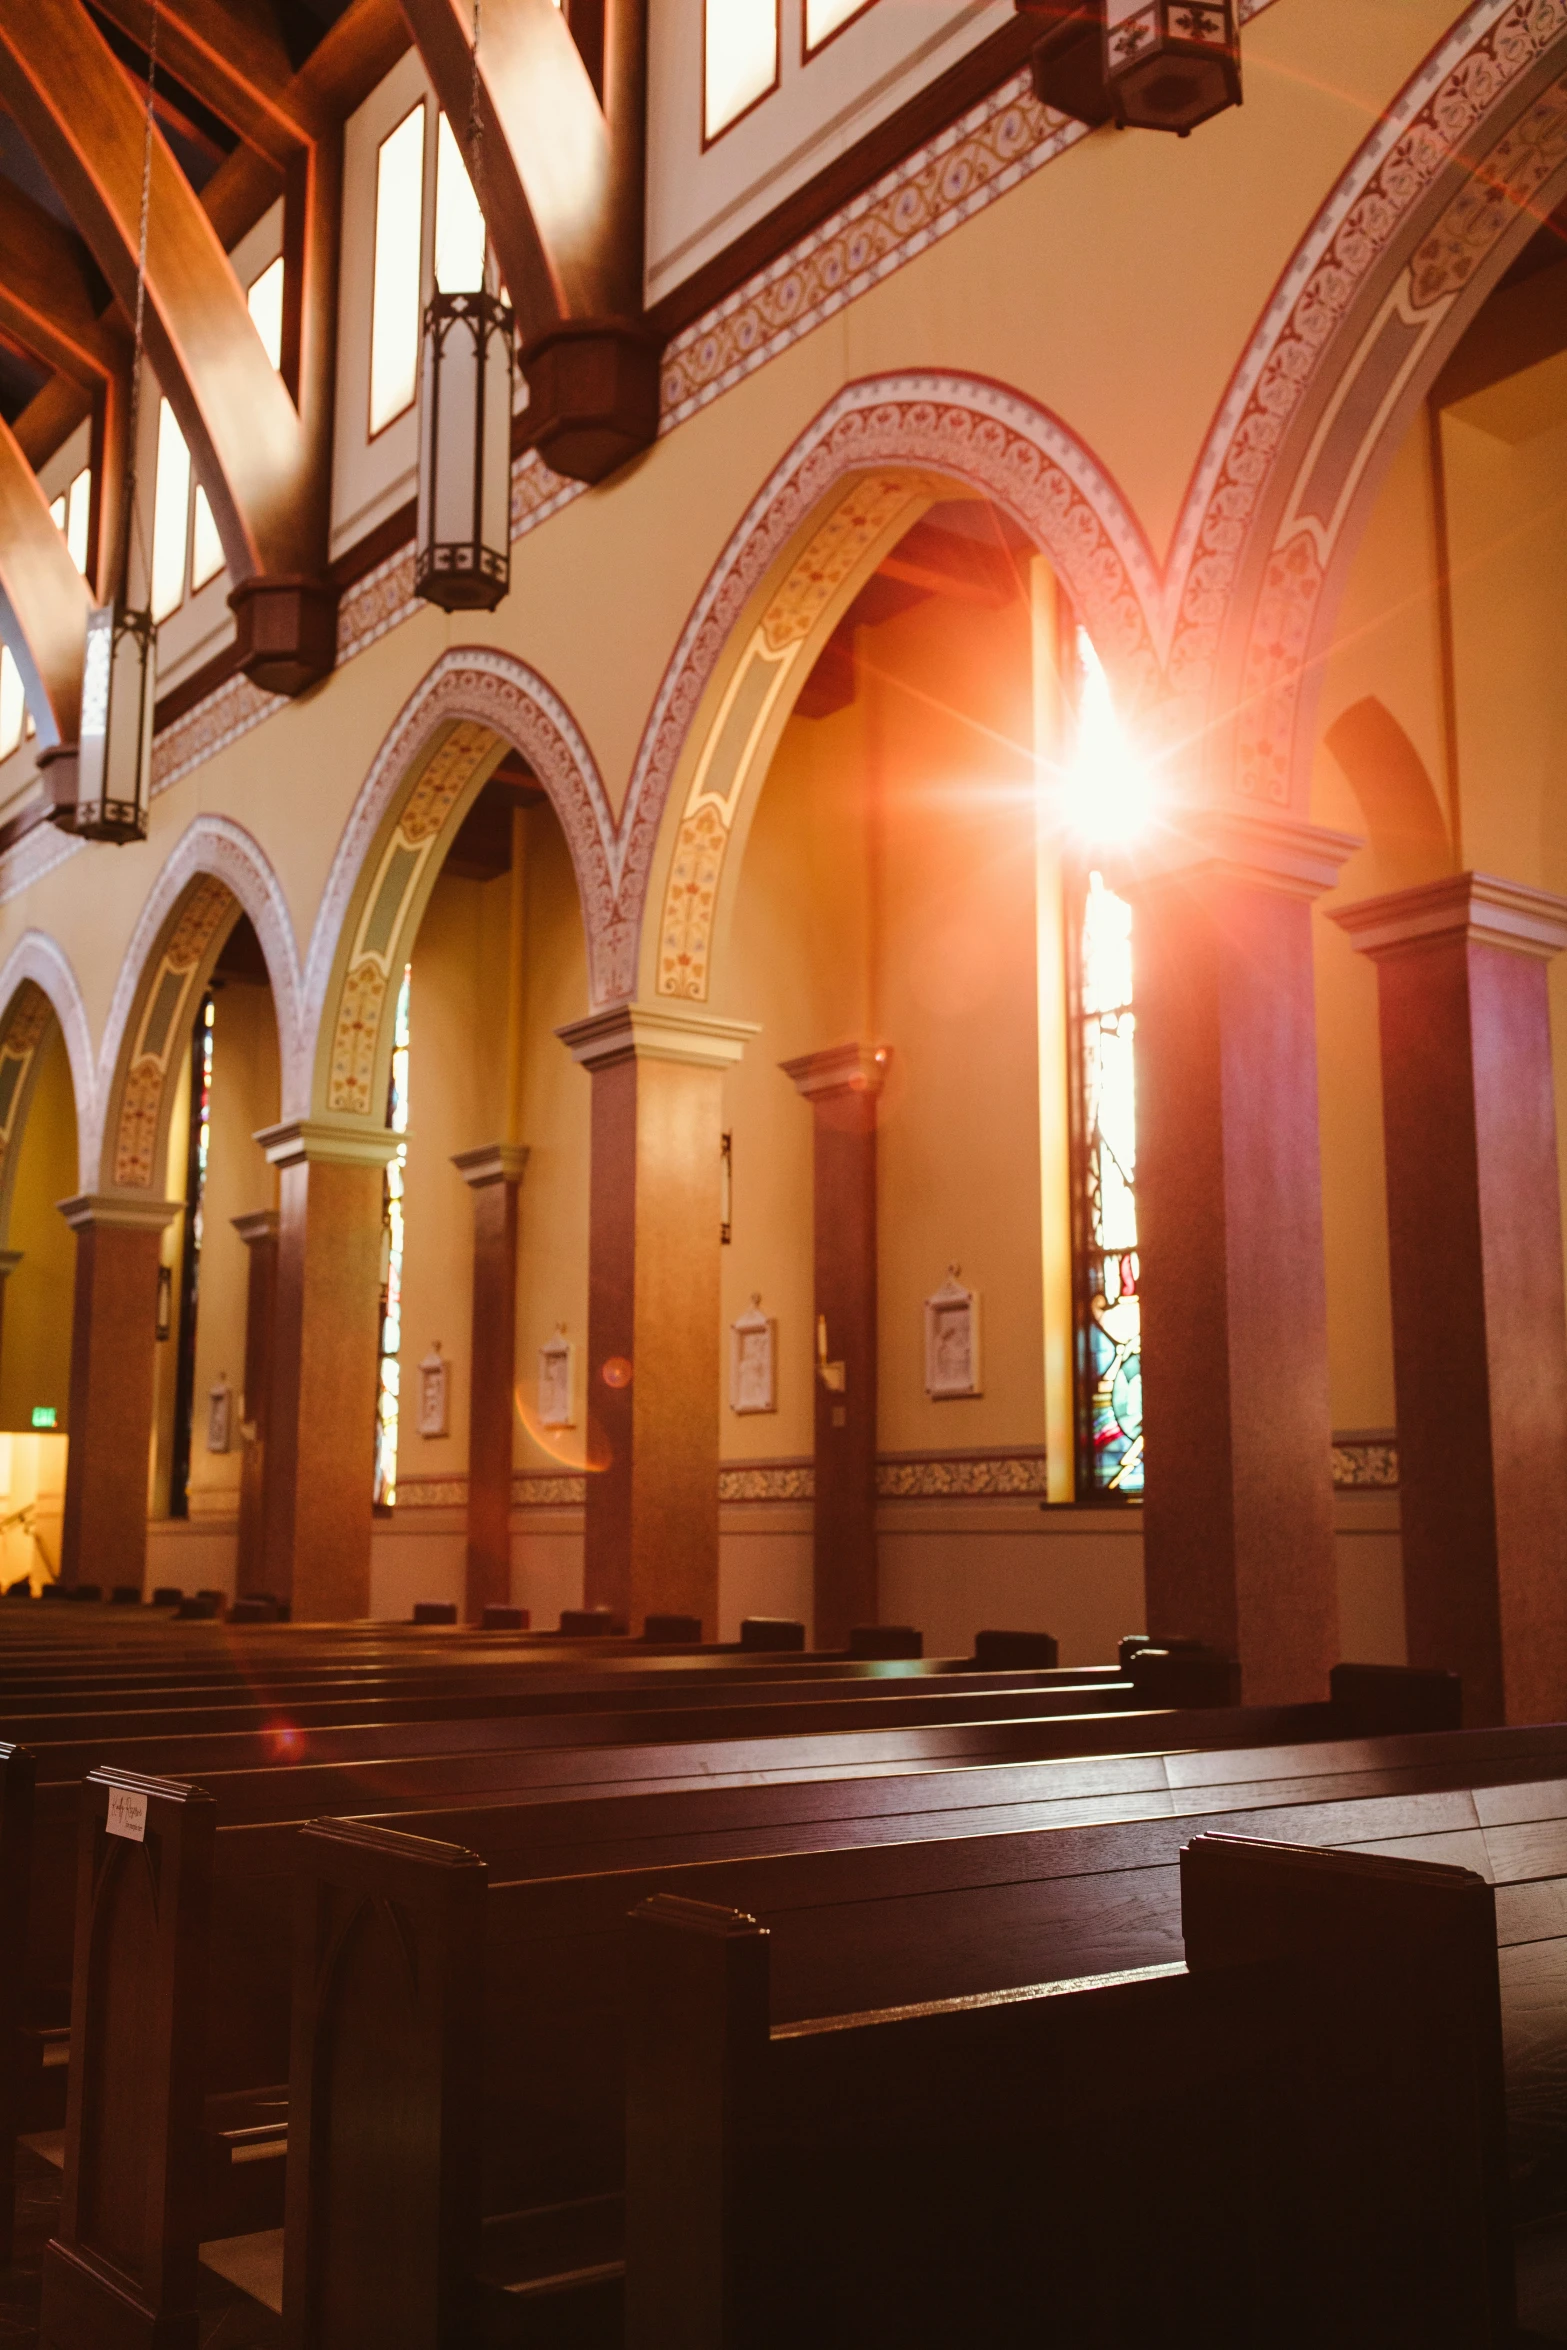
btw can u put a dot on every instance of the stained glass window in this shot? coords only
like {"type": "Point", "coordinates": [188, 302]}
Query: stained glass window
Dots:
{"type": "Point", "coordinates": [1108, 789]}
{"type": "Point", "coordinates": [389, 1384]}
{"type": "Point", "coordinates": [1109, 1312]}
{"type": "Point", "coordinates": [198, 1151]}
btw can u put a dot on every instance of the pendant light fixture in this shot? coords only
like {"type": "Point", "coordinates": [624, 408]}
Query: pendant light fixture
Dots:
{"type": "Point", "coordinates": [1155, 65]}
{"type": "Point", "coordinates": [119, 671]}
{"type": "Point", "coordinates": [463, 552]}
{"type": "Point", "coordinates": [1170, 64]}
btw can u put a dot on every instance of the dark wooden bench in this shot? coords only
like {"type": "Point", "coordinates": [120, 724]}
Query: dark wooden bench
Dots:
{"type": "Point", "coordinates": [247, 2011]}
{"type": "Point", "coordinates": [1292, 2138]}
{"type": "Point", "coordinates": [858, 1928]}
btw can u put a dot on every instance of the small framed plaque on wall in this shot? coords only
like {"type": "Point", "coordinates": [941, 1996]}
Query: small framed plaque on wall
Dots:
{"type": "Point", "coordinates": [952, 1340]}
{"type": "Point", "coordinates": [555, 1361]}
{"type": "Point", "coordinates": [753, 1361]}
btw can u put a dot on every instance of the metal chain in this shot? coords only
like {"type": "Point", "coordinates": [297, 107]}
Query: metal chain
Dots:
{"type": "Point", "coordinates": [132, 508]}
{"type": "Point", "coordinates": [476, 141]}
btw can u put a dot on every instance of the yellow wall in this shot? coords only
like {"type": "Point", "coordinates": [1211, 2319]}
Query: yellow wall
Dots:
{"type": "Point", "coordinates": [239, 1183]}
{"type": "Point", "coordinates": [35, 1350]}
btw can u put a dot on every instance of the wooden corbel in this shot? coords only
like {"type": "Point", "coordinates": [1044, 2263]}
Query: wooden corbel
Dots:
{"type": "Point", "coordinates": [264, 464]}
{"type": "Point", "coordinates": [563, 194]}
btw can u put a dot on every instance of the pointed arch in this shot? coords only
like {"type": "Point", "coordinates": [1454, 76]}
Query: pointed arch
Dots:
{"type": "Point", "coordinates": [216, 872]}
{"type": "Point", "coordinates": [1457, 175]}
{"type": "Point", "coordinates": [853, 482]}
{"type": "Point", "coordinates": [37, 968]}
{"type": "Point", "coordinates": [445, 743]}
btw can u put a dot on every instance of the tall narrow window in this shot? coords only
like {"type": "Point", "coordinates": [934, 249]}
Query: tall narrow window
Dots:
{"type": "Point", "coordinates": [394, 285]}
{"type": "Point", "coordinates": [389, 1384]}
{"type": "Point", "coordinates": [72, 512]}
{"type": "Point", "coordinates": [739, 59]}
{"type": "Point", "coordinates": [264, 300]}
{"type": "Point", "coordinates": [823, 18]}
{"type": "Point", "coordinates": [206, 548]}
{"type": "Point", "coordinates": [170, 515]}
{"type": "Point", "coordinates": [459, 224]}
{"type": "Point", "coordinates": [1109, 1311]}
{"type": "Point", "coordinates": [196, 1155]}
{"type": "Point", "coordinates": [13, 703]}
{"type": "Point", "coordinates": [1108, 799]}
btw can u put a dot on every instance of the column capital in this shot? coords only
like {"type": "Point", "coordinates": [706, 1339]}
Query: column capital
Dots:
{"type": "Point", "coordinates": [1476, 907]}
{"type": "Point", "coordinates": [262, 1225]}
{"type": "Point", "coordinates": [327, 1142]}
{"type": "Point", "coordinates": [1273, 851]}
{"type": "Point", "coordinates": [841, 1068]}
{"type": "Point", "coordinates": [491, 1162]}
{"type": "Point", "coordinates": [656, 1032]}
{"type": "Point", "coordinates": [126, 1210]}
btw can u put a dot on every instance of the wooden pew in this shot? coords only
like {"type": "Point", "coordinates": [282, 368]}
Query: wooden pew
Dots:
{"type": "Point", "coordinates": [1294, 2138]}
{"type": "Point", "coordinates": [858, 1928]}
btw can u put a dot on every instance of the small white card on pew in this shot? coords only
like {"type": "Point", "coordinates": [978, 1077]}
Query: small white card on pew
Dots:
{"type": "Point", "coordinates": [127, 1814]}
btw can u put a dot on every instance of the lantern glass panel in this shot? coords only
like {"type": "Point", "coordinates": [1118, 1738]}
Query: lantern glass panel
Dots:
{"type": "Point", "coordinates": [464, 535]}
{"type": "Point", "coordinates": [115, 759]}
{"type": "Point", "coordinates": [1170, 64]}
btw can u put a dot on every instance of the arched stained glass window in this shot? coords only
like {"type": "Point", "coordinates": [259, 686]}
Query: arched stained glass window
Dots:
{"type": "Point", "coordinates": [1109, 1313]}
{"type": "Point", "coordinates": [1111, 790]}
{"type": "Point", "coordinates": [389, 1382]}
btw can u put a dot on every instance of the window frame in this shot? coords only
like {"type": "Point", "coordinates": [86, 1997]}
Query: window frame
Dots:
{"type": "Point", "coordinates": [710, 139]}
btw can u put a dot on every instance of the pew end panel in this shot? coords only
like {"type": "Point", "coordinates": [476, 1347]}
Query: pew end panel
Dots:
{"type": "Point", "coordinates": [1248, 2148]}
{"type": "Point", "coordinates": [122, 2269]}
{"type": "Point", "coordinates": [382, 2228]}
{"type": "Point", "coordinates": [1390, 2073]}
{"type": "Point", "coordinates": [18, 1794]}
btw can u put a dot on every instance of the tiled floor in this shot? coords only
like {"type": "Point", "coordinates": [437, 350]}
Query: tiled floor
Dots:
{"type": "Point", "coordinates": [230, 2320]}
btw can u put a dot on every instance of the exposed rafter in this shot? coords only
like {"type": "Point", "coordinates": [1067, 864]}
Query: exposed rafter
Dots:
{"type": "Point", "coordinates": [234, 61]}
{"type": "Point", "coordinates": [264, 465]}
{"type": "Point", "coordinates": [47, 299]}
{"type": "Point", "coordinates": [563, 181]}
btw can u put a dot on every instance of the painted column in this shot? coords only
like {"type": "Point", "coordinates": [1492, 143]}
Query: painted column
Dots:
{"type": "Point", "coordinates": [1475, 1255]}
{"type": "Point", "coordinates": [260, 1235]}
{"type": "Point", "coordinates": [10, 1258]}
{"type": "Point", "coordinates": [653, 1306]}
{"type": "Point", "coordinates": [1238, 1514]}
{"type": "Point", "coordinates": [114, 1323]}
{"type": "Point", "coordinates": [494, 1176]}
{"type": "Point", "coordinates": [842, 1086]}
{"type": "Point", "coordinates": [322, 1404]}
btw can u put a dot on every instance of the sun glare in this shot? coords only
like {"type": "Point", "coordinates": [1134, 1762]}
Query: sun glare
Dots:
{"type": "Point", "coordinates": [1107, 785]}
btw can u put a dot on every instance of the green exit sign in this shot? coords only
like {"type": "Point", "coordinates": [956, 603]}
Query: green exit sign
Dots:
{"type": "Point", "coordinates": [43, 1415]}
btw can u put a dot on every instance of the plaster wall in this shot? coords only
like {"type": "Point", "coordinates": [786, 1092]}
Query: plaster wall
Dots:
{"type": "Point", "coordinates": [239, 1183]}
{"type": "Point", "coordinates": [35, 1336]}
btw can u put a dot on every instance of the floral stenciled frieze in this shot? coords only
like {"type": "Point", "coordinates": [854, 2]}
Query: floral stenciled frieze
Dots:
{"type": "Point", "coordinates": [208, 905]}
{"type": "Point", "coordinates": [1365, 1463]}
{"type": "Point", "coordinates": [767, 1481]}
{"type": "Point", "coordinates": [960, 1476]}
{"type": "Point", "coordinates": [1361, 1463]}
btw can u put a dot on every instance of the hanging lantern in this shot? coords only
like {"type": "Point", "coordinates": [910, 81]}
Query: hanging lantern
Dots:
{"type": "Point", "coordinates": [119, 665]}
{"type": "Point", "coordinates": [114, 763]}
{"type": "Point", "coordinates": [463, 559]}
{"type": "Point", "coordinates": [1170, 64]}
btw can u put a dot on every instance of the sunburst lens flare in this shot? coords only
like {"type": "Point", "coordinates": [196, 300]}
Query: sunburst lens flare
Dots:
{"type": "Point", "coordinates": [1107, 789]}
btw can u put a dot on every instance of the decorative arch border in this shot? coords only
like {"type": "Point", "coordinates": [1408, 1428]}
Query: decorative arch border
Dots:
{"type": "Point", "coordinates": [216, 872]}
{"type": "Point", "coordinates": [444, 743]}
{"type": "Point", "coordinates": [1453, 179]}
{"type": "Point", "coordinates": [937, 430]}
{"type": "Point", "coordinates": [37, 982]}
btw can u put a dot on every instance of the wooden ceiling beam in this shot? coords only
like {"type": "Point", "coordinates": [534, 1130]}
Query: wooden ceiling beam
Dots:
{"type": "Point", "coordinates": [264, 466]}
{"type": "Point", "coordinates": [47, 596]}
{"type": "Point", "coordinates": [233, 60]}
{"type": "Point", "coordinates": [563, 194]}
{"type": "Point", "coordinates": [47, 300]}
